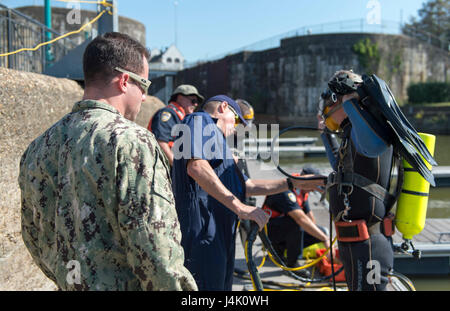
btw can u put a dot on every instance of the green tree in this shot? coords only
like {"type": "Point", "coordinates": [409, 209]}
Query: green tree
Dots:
{"type": "Point", "coordinates": [433, 23]}
{"type": "Point", "coordinates": [368, 55]}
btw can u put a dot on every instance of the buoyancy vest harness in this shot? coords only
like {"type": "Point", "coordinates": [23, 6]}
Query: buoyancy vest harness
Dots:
{"type": "Point", "coordinates": [346, 179]}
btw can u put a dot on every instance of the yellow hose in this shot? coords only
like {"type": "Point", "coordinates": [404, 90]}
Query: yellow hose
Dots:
{"type": "Point", "coordinates": [284, 267]}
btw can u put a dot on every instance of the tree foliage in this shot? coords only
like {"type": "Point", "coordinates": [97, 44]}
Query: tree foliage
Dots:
{"type": "Point", "coordinates": [368, 55]}
{"type": "Point", "coordinates": [432, 24]}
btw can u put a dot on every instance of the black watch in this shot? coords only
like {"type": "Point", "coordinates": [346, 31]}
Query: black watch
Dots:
{"type": "Point", "coordinates": [290, 184]}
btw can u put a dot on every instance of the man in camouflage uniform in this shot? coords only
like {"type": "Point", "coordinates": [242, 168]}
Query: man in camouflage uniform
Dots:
{"type": "Point", "coordinates": [98, 211]}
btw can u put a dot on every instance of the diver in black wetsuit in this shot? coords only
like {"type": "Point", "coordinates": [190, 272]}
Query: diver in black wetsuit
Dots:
{"type": "Point", "coordinates": [362, 166]}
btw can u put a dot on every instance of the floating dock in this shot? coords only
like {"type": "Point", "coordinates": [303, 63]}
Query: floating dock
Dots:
{"type": "Point", "coordinates": [286, 147]}
{"type": "Point", "coordinates": [282, 141]}
{"type": "Point", "coordinates": [442, 176]}
{"type": "Point", "coordinates": [304, 147]}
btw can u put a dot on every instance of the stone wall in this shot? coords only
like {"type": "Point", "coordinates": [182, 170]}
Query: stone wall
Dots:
{"type": "Point", "coordinates": [29, 104]}
{"type": "Point", "coordinates": [283, 84]}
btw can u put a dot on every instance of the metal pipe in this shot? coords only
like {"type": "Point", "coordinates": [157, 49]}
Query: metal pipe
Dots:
{"type": "Point", "coordinates": [48, 24]}
{"type": "Point", "coordinates": [48, 18]}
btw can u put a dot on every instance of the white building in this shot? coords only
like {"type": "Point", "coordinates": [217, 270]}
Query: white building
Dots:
{"type": "Point", "coordinates": [166, 62]}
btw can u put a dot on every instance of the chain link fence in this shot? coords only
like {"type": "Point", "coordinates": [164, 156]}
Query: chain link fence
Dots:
{"type": "Point", "coordinates": [18, 31]}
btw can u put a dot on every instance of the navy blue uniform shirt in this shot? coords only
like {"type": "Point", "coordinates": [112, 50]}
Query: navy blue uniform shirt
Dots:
{"type": "Point", "coordinates": [163, 122]}
{"type": "Point", "coordinates": [285, 202]}
{"type": "Point", "coordinates": [208, 228]}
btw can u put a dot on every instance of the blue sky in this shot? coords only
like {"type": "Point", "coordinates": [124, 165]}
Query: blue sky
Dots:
{"type": "Point", "coordinates": [206, 28]}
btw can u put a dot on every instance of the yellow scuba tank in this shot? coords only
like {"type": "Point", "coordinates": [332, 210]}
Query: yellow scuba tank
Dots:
{"type": "Point", "coordinates": [413, 200]}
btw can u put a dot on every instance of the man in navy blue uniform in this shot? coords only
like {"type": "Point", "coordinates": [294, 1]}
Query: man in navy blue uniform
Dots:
{"type": "Point", "coordinates": [209, 190]}
{"type": "Point", "coordinates": [182, 102]}
{"type": "Point", "coordinates": [292, 225]}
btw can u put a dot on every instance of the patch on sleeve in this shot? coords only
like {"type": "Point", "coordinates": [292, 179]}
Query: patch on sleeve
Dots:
{"type": "Point", "coordinates": [165, 116]}
{"type": "Point", "coordinates": [292, 197]}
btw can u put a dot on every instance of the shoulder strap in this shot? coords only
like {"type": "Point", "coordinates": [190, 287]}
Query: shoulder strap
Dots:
{"type": "Point", "coordinates": [178, 110]}
{"type": "Point", "coordinates": [396, 162]}
{"type": "Point", "coordinates": [345, 177]}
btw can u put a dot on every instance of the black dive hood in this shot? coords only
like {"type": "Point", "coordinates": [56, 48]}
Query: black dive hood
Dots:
{"type": "Point", "coordinates": [378, 100]}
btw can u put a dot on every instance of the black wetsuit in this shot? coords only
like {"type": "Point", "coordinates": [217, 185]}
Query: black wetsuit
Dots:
{"type": "Point", "coordinates": [368, 262]}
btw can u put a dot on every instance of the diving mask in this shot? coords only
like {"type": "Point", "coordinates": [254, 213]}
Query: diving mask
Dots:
{"type": "Point", "coordinates": [329, 122]}
{"type": "Point", "coordinates": [328, 99]}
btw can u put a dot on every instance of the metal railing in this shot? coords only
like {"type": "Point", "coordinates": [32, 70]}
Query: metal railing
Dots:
{"type": "Point", "coordinates": [427, 37]}
{"type": "Point", "coordinates": [348, 26]}
{"type": "Point", "coordinates": [18, 30]}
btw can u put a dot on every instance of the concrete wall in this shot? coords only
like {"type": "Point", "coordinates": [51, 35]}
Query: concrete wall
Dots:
{"type": "Point", "coordinates": [283, 84]}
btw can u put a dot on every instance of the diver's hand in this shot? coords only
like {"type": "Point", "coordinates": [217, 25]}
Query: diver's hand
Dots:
{"type": "Point", "coordinates": [320, 123]}
{"type": "Point", "coordinates": [327, 244]}
{"type": "Point", "coordinates": [350, 96]}
{"type": "Point", "coordinates": [310, 185]}
{"type": "Point", "coordinates": [253, 213]}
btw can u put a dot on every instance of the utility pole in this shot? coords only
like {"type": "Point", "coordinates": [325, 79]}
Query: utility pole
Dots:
{"type": "Point", "coordinates": [401, 18]}
{"type": "Point", "coordinates": [108, 22]}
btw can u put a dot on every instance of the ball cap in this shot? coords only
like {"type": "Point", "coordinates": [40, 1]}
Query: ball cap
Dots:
{"type": "Point", "coordinates": [232, 103]}
{"type": "Point", "coordinates": [186, 89]}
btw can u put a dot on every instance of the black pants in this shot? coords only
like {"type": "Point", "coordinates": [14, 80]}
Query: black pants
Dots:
{"type": "Point", "coordinates": [286, 235]}
{"type": "Point", "coordinates": [367, 263]}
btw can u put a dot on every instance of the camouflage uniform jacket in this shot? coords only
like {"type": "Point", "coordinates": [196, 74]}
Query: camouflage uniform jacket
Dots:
{"type": "Point", "coordinates": [98, 211]}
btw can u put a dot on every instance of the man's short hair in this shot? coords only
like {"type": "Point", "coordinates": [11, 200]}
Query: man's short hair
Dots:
{"type": "Point", "coordinates": [113, 49]}
{"type": "Point", "coordinates": [211, 106]}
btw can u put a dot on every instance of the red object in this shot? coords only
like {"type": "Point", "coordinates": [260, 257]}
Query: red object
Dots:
{"type": "Point", "coordinates": [273, 213]}
{"type": "Point", "coordinates": [352, 231]}
{"type": "Point", "coordinates": [325, 265]}
{"type": "Point", "coordinates": [388, 225]}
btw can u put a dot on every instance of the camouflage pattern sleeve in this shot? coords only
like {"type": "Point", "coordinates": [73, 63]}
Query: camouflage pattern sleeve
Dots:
{"type": "Point", "coordinates": [148, 220]}
{"type": "Point", "coordinates": [29, 217]}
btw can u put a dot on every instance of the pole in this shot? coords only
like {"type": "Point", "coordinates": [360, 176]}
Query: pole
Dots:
{"type": "Point", "coordinates": [108, 22]}
{"type": "Point", "coordinates": [48, 24]}
{"type": "Point", "coordinates": [175, 24]}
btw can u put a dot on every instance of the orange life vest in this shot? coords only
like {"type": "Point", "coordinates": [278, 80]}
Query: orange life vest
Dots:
{"type": "Point", "coordinates": [178, 110]}
{"type": "Point", "coordinates": [274, 213]}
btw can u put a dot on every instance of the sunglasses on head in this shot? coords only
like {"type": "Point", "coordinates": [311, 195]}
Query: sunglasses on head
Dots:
{"type": "Point", "coordinates": [144, 83]}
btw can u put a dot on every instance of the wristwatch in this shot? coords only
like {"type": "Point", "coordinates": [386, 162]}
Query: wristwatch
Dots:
{"type": "Point", "coordinates": [290, 184]}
